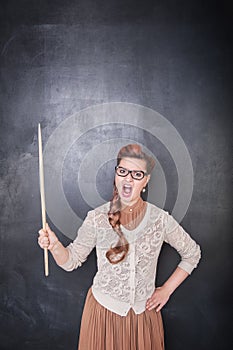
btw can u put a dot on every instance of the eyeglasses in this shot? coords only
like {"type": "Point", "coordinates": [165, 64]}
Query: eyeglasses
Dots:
{"type": "Point", "coordinates": [135, 174]}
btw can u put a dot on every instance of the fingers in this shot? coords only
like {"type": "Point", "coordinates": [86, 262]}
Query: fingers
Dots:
{"type": "Point", "coordinates": [152, 304]}
{"type": "Point", "coordinates": [45, 232]}
{"type": "Point", "coordinates": [43, 242]}
{"type": "Point", "coordinates": [43, 239]}
{"type": "Point", "coordinates": [160, 307]}
{"type": "Point", "coordinates": [158, 299]}
{"type": "Point", "coordinates": [47, 238]}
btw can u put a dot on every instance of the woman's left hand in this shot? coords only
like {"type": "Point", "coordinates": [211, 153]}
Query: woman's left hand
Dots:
{"type": "Point", "coordinates": [158, 299]}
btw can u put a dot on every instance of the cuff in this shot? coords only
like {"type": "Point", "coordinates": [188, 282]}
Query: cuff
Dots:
{"type": "Point", "coordinates": [186, 267]}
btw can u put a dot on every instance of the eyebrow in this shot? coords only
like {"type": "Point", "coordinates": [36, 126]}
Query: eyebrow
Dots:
{"type": "Point", "coordinates": [144, 171]}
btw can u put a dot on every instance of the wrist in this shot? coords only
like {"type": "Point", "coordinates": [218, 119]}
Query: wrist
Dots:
{"type": "Point", "coordinates": [168, 288]}
{"type": "Point", "coordinates": [55, 245]}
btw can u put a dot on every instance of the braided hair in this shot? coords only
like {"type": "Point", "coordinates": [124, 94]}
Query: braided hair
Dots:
{"type": "Point", "coordinates": [119, 252]}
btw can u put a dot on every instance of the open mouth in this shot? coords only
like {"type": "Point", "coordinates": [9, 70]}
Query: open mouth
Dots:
{"type": "Point", "coordinates": [127, 190]}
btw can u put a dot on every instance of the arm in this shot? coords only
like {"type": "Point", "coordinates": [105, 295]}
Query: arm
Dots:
{"type": "Point", "coordinates": [190, 254]}
{"type": "Point", "coordinates": [162, 294]}
{"type": "Point", "coordinates": [72, 256]}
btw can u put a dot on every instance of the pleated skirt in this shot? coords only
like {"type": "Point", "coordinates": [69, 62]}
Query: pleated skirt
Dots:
{"type": "Point", "coordinates": [102, 329]}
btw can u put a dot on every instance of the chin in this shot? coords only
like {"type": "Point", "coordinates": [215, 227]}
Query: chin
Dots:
{"type": "Point", "coordinates": [126, 200]}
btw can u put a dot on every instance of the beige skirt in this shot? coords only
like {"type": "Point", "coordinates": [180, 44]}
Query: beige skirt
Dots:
{"type": "Point", "coordinates": [102, 329]}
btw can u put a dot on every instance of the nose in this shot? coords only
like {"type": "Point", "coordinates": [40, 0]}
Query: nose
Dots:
{"type": "Point", "coordinates": [129, 177]}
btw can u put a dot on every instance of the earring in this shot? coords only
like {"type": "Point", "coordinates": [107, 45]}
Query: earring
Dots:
{"type": "Point", "coordinates": [143, 190]}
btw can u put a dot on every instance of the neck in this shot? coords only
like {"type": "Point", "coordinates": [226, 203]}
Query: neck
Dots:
{"type": "Point", "coordinates": [126, 205]}
{"type": "Point", "coordinates": [132, 214]}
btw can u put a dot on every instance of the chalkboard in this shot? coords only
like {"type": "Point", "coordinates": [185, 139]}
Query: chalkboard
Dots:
{"type": "Point", "coordinates": [72, 66]}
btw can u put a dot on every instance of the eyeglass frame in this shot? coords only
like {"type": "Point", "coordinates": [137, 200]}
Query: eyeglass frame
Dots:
{"type": "Point", "coordinates": [130, 172]}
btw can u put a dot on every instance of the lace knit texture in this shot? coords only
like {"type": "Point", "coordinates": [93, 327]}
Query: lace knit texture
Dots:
{"type": "Point", "coordinates": [131, 282]}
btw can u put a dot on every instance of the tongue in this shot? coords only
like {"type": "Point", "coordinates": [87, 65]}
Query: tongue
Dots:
{"type": "Point", "coordinates": [127, 190]}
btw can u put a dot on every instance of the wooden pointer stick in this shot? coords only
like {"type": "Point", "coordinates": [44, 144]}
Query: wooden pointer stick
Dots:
{"type": "Point", "coordinates": [42, 197]}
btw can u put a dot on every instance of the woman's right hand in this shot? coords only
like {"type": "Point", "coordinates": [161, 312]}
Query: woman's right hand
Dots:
{"type": "Point", "coordinates": [47, 238]}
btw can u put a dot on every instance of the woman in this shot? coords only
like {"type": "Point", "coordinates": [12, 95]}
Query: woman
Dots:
{"type": "Point", "coordinates": [122, 308]}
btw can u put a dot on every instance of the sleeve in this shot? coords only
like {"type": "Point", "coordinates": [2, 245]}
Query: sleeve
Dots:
{"type": "Point", "coordinates": [179, 239]}
{"type": "Point", "coordinates": [83, 244]}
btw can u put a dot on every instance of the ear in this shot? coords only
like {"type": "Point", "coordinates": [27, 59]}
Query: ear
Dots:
{"type": "Point", "coordinates": [148, 179]}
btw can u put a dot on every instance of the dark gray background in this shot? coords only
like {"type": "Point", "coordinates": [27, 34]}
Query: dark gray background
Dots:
{"type": "Point", "coordinates": [58, 57]}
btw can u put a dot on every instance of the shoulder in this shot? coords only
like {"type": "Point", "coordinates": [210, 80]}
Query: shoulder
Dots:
{"type": "Point", "coordinates": [102, 209]}
{"type": "Point", "coordinates": [163, 217]}
{"type": "Point", "coordinates": [162, 214]}
{"type": "Point", "coordinates": [157, 211]}
{"type": "Point", "coordinates": [97, 215]}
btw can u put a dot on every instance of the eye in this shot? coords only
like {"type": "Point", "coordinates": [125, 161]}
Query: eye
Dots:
{"type": "Point", "coordinates": [122, 171]}
{"type": "Point", "coordinates": [138, 174]}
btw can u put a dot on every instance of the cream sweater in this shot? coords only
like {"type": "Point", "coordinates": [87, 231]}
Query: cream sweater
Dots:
{"type": "Point", "coordinates": [131, 282]}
